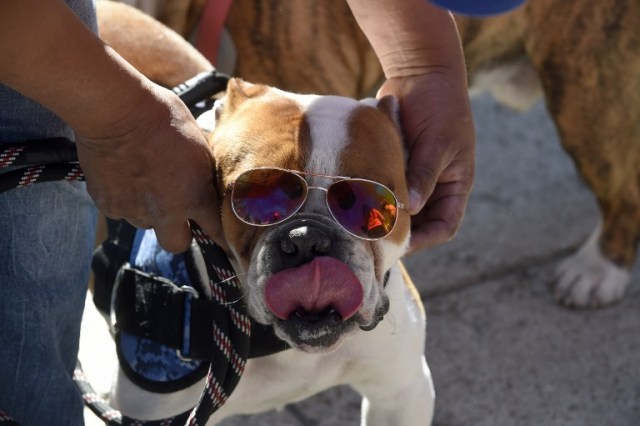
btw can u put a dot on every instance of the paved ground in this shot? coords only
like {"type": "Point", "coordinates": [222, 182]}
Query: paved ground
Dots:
{"type": "Point", "coordinates": [501, 351]}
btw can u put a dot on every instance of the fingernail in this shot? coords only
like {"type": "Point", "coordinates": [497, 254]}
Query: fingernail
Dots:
{"type": "Point", "coordinates": [415, 201]}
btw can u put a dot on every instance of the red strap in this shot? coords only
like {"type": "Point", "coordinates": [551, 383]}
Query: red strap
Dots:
{"type": "Point", "coordinates": [211, 24]}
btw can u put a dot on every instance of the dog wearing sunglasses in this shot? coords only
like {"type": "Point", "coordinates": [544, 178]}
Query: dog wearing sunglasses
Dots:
{"type": "Point", "coordinates": [312, 218]}
{"type": "Point", "coordinates": [311, 192]}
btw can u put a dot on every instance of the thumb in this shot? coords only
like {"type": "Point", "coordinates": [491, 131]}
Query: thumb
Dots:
{"type": "Point", "coordinates": [174, 237]}
{"type": "Point", "coordinates": [425, 166]}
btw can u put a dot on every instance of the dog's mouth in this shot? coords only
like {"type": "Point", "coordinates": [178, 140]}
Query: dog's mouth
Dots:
{"type": "Point", "coordinates": [316, 305]}
{"type": "Point", "coordinates": [320, 288]}
{"type": "Point", "coordinates": [314, 285]}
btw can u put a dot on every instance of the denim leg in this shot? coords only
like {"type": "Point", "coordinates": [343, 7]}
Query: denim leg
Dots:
{"type": "Point", "coordinates": [47, 234]}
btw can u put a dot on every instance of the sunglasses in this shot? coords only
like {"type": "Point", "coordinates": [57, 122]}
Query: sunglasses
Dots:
{"type": "Point", "coordinates": [268, 196]}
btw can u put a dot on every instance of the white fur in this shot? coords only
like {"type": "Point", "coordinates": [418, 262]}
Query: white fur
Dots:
{"type": "Point", "coordinates": [327, 139]}
{"type": "Point", "coordinates": [588, 278]}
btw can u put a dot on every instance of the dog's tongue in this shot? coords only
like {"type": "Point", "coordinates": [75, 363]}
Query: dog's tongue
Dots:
{"type": "Point", "coordinates": [315, 287]}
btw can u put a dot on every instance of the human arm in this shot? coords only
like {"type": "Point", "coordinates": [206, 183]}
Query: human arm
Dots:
{"type": "Point", "coordinates": [420, 52]}
{"type": "Point", "coordinates": [143, 156]}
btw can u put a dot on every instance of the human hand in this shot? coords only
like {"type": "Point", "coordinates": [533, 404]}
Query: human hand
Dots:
{"type": "Point", "coordinates": [439, 134]}
{"type": "Point", "coordinates": [419, 49]}
{"type": "Point", "coordinates": [154, 169]}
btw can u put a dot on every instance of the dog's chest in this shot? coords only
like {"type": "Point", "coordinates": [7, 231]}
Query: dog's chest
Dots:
{"type": "Point", "coordinates": [274, 381]}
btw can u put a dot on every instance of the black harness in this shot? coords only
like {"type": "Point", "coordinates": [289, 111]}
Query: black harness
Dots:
{"type": "Point", "coordinates": [169, 311]}
{"type": "Point", "coordinates": [203, 323]}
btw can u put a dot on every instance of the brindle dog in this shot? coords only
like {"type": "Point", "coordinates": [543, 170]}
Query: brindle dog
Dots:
{"type": "Point", "coordinates": [581, 56]}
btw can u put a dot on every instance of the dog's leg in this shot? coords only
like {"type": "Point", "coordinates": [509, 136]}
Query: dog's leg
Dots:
{"type": "Point", "coordinates": [397, 387]}
{"type": "Point", "coordinates": [598, 274]}
{"type": "Point", "coordinates": [592, 94]}
{"type": "Point", "coordinates": [588, 277]}
{"type": "Point", "coordinates": [399, 398]}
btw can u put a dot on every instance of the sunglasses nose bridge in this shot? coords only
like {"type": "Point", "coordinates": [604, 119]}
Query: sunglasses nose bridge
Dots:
{"type": "Point", "coordinates": [316, 199]}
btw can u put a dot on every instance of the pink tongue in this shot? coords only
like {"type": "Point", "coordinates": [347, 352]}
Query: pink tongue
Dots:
{"type": "Point", "coordinates": [323, 283]}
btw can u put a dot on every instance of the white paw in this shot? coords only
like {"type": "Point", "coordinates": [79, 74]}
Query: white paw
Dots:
{"type": "Point", "coordinates": [588, 279]}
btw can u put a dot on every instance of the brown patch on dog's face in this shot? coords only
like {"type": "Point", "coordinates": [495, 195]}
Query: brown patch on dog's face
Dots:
{"type": "Point", "coordinates": [256, 128]}
{"type": "Point", "coordinates": [379, 151]}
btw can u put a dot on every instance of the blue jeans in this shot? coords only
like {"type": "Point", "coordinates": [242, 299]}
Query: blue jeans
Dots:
{"type": "Point", "coordinates": [47, 234]}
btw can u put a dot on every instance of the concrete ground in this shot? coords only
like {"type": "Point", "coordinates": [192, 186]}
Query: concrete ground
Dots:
{"type": "Point", "coordinates": [501, 351]}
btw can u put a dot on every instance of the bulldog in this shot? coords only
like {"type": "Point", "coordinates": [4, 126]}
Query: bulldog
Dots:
{"type": "Point", "coordinates": [312, 194]}
{"type": "Point", "coordinates": [581, 57]}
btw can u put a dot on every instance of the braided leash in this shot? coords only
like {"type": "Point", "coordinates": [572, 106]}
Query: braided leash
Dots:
{"type": "Point", "coordinates": [7, 420]}
{"type": "Point", "coordinates": [32, 162]}
{"type": "Point", "coordinates": [56, 159]}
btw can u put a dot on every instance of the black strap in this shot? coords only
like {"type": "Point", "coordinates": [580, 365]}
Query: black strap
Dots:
{"type": "Point", "coordinates": [34, 161]}
{"type": "Point", "coordinates": [153, 307]}
{"type": "Point", "coordinates": [107, 259]}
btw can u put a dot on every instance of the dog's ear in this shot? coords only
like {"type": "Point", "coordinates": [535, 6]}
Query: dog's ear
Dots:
{"type": "Point", "coordinates": [389, 105]}
{"type": "Point", "coordinates": [239, 91]}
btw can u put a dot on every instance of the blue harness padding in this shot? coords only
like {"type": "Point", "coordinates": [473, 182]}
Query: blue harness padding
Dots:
{"type": "Point", "coordinates": [150, 364]}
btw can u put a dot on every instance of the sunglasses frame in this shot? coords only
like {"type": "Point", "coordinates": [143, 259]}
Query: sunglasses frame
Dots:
{"type": "Point", "coordinates": [301, 175]}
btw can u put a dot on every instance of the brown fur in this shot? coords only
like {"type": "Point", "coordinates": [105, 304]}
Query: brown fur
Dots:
{"type": "Point", "coordinates": [148, 45]}
{"type": "Point", "coordinates": [387, 157]}
{"type": "Point", "coordinates": [278, 145]}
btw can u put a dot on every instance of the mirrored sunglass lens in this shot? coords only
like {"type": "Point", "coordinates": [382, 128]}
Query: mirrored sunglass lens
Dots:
{"type": "Point", "coordinates": [265, 197]}
{"type": "Point", "coordinates": [364, 208]}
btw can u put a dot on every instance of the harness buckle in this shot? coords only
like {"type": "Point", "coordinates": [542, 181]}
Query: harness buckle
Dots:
{"type": "Point", "coordinates": [189, 294]}
{"type": "Point", "coordinates": [113, 329]}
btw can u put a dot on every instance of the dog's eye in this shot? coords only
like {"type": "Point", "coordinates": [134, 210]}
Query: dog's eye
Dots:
{"type": "Point", "coordinates": [344, 195]}
{"type": "Point", "coordinates": [291, 187]}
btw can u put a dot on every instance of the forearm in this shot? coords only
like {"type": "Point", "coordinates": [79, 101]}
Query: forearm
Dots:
{"type": "Point", "coordinates": [50, 56]}
{"type": "Point", "coordinates": [410, 37]}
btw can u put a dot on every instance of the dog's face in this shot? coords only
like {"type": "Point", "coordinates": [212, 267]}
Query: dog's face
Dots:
{"type": "Point", "coordinates": [307, 276]}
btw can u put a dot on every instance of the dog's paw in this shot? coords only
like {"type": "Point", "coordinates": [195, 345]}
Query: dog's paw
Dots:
{"type": "Point", "coordinates": [589, 279]}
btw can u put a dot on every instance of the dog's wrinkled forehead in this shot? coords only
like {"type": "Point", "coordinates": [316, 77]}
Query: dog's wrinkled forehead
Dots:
{"type": "Point", "coordinates": [259, 126]}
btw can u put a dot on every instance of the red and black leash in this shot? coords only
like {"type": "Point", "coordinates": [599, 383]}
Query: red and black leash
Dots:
{"type": "Point", "coordinates": [28, 163]}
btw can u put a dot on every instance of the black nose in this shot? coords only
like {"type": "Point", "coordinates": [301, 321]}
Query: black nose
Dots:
{"type": "Point", "coordinates": [305, 242]}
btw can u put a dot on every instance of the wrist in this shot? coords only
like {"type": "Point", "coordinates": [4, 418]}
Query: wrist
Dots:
{"type": "Point", "coordinates": [410, 37]}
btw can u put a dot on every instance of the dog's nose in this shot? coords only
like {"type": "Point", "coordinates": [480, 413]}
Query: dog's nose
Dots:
{"type": "Point", "coordinates": [306, 242]}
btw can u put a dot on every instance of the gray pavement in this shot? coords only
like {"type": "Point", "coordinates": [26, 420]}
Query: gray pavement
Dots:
{"type": "Point", "coordinates": [501, 351]}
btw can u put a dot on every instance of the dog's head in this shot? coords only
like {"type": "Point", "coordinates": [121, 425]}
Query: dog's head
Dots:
{"type": "Point", "coordinates": [314, 280]}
